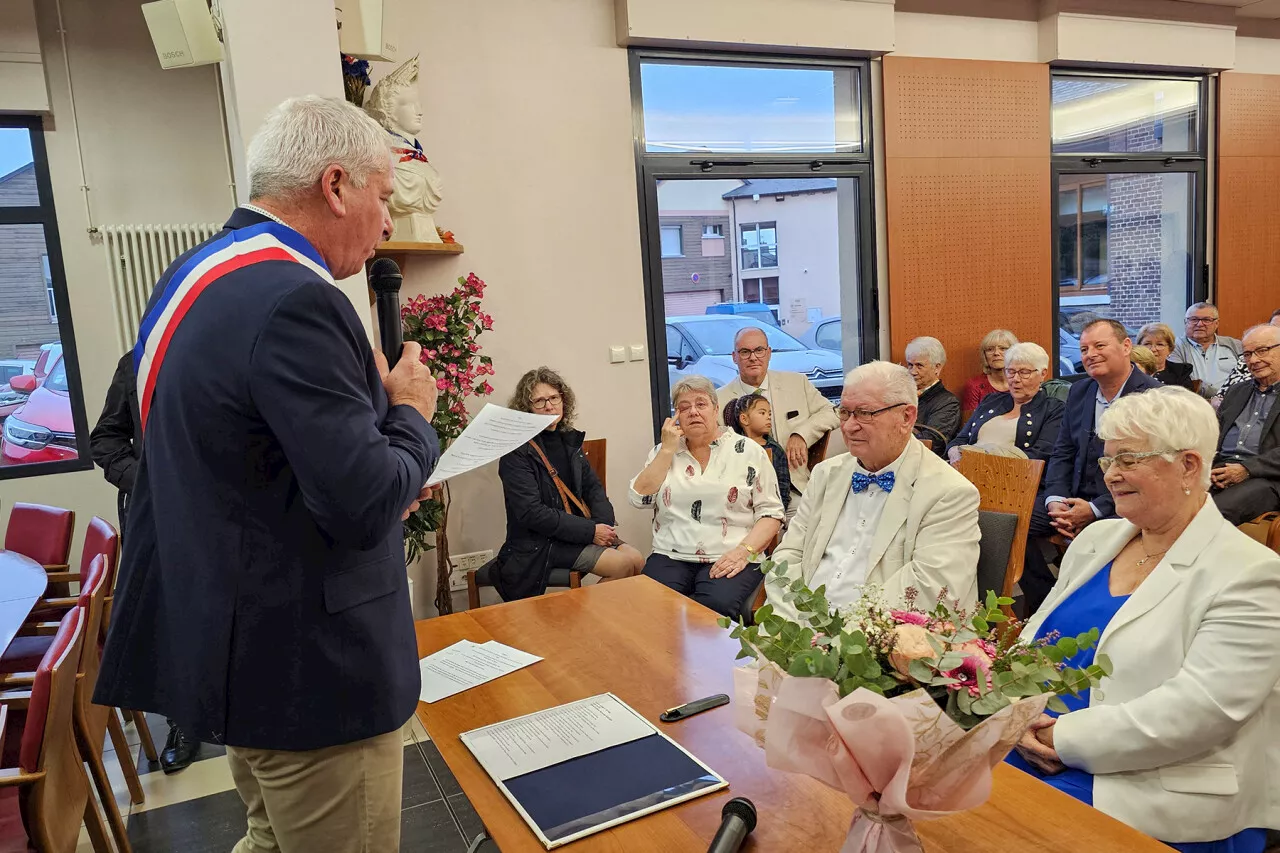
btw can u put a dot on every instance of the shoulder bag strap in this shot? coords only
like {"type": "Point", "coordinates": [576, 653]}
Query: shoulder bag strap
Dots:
{"type": "Point", "coordinates": [565, 495]}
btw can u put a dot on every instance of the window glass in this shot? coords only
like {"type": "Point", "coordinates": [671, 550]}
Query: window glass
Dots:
{"type": "Point", "coordinates": [690, 107]}
{"type": "Point", "coordinates": [1122, 115]}
{"type": "Point", "coordinates": [17, 169]}
{"type": "Point", "coordinates": [671, 236]}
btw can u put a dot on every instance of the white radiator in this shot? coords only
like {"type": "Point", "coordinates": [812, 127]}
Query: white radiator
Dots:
{"type": "Point", "coordinates": [137, 255]}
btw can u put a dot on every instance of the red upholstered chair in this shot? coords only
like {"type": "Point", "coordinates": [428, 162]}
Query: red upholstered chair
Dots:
{"type": "Point", "coordinates": [90, 720]}
{"type": "Point", "coordinates": [42, 533]}
{"type": "Point", "coordinates": [53, 791]}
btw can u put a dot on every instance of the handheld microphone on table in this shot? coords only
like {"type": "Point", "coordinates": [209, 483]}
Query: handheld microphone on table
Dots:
{"type": "Point", "coordinates": [738, 819]}
{"type": "Point", "coordinates": [385, 279]}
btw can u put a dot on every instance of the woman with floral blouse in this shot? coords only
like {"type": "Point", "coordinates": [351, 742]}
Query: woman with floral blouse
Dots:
{"type": "Point", "coordinates": [716, 500]}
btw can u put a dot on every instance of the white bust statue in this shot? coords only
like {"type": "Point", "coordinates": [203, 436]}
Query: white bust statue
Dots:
{"type": "Point", "coordinates": [394, 104]}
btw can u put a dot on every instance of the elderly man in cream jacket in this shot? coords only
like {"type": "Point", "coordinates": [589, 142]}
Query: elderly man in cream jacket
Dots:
{"type": "Point", "coordinates": [801, 415]}
{"type": "Point", "coordinates": [888, 512]}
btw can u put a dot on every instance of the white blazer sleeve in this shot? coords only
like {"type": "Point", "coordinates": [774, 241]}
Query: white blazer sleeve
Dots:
{"type": "Point", "coordinates": [1229, 669]}
{"type": "Point", "coordinates": [945, 552]}
{"type": "Point", "coordinates": [820, 417]}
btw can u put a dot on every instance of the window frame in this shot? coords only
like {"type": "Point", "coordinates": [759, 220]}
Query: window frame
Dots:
{"type": "Point", "coordinates": [679, 229]}
{"type": "Point", "coordinates": [654, 167]}
{"type": "Point", "coordinates": [1103, 164]}
{"type": "Point", "coordinates": [45, 214]}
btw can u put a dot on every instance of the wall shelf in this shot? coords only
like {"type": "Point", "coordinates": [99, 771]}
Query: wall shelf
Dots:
{"type": "Point", "coordinates": [393, 247]}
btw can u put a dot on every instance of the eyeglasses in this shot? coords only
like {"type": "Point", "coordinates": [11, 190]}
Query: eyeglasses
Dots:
{"type": "Point", "coordinates": [863, 416]}
{"type": "Point", "coordinates": [1201, 321]}
{"type": "Point", "coordinates": [699, 405]}
{"type": "Point", "coordinates": [546, 402]}
{"type": "Point", "coordinates": [1025, 373]}
{"type": "Point", "coordinates": [758, 352]}
{"type": "Point", "coordinates": [1128, 461]}
{"type": "Point", "coordinates": [1259, 352]}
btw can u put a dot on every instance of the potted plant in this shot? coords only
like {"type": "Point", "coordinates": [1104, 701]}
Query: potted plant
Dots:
{"type": "Point", "coordinates": [447, 326]}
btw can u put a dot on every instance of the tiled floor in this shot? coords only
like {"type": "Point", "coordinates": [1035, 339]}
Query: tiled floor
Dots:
{"type": "Point", "coordinates": [198, 810]}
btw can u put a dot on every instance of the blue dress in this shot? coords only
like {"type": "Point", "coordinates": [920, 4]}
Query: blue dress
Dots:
{"type": "Point", "coordinates": [1092, 605]}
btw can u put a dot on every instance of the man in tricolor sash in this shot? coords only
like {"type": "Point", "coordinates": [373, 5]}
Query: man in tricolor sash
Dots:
{"type": "Point", "coordinates": [262, 601]}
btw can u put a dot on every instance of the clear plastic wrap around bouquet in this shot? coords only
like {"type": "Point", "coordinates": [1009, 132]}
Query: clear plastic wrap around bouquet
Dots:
{"type": "Point", "coordinates": [907, 711]}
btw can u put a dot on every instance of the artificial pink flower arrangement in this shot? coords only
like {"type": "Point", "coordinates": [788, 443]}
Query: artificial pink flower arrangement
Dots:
{"type": "Point", "coordinates": [906, 710]}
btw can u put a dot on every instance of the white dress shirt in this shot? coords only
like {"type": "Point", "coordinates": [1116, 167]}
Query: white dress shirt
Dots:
{"type": "Point", "coordinates": [844, 565]}
{"type": "Point", "coordinates": [703, 514]}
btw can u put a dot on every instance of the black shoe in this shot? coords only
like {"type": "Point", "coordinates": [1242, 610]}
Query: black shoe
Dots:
{"type": "Point", "coordinates": [179, 751]}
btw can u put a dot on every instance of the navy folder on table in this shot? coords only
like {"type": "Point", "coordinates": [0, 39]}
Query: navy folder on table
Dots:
{"type": "Point", "coordinates": [577, 797]}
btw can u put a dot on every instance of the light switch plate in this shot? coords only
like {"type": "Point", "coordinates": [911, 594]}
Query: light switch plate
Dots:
{"type": "Point", "coordinates": [617, 355]}
{"type": "Point", "coordinates": [637, 352]}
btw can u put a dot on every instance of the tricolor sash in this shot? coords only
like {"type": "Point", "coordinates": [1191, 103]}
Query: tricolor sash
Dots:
{"type": "Point", "coordinates": [267, 241]}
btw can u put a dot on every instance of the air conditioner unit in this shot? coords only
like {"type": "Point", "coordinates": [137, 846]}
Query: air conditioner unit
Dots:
{"type": "Point", "coordinates": [183, 33]}
{"type": "Point", "coordinates": [367, 29]}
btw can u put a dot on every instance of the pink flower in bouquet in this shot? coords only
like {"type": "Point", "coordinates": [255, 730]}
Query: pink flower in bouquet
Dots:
{"type": "Point", "coordinates": [429, 353]}
{"type": "Point", "coordinates": [486, 388]}
{"type": "Point", "coordinates": [442, 384]}
{"type": "Point", "coordinates": [910, 642]}
{"type": "Point", "coordinates": [909, 617]}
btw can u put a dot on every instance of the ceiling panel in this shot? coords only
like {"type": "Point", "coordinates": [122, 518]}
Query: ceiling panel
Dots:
{"type": "Point", "coordinates": [1260, 9]}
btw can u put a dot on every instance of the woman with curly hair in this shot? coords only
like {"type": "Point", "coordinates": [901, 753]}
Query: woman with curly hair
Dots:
{"type": "Point", "coordinates": [558, 515]}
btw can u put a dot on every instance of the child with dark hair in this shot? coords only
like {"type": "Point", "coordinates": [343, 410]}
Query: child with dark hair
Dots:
{"type": "Point", "coordinates": [751, 416]}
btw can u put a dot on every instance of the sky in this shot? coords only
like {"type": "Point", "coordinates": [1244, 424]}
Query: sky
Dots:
{"type": "Point", "coordinates": [15, 148]}
{"type": "Point", "coordinates": [735, 108]}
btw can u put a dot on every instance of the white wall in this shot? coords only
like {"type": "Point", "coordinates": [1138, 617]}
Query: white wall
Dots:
{"type": "Point", "coordinates": [22, 86]}
{"type": "Point", "coordinates": [959, 37]}
{"type": "Point", "coordinates": [528, 119]}
{"type": "Point", "coordinates": [153, 153]}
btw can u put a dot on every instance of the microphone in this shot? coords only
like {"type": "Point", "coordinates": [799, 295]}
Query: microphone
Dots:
{"type": "Point", "coordinates": [738, 819]}
{"type": "Point", "coordinates": [385, 279]}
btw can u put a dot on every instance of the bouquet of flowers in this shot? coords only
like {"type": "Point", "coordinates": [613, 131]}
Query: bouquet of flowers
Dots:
{"type": "Point", "coordinates": [906, 710]}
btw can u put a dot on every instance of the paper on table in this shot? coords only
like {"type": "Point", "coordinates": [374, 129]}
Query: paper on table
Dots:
{"type": "Point", "coordinates": [493, 433]}
{"type": "Point", "coordinates": [466, 664]}
{"type": "Point", "coordinates": [529, 743]}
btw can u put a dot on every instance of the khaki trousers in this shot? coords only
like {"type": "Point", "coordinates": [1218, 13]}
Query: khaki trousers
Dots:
{"type": "Point", "coordinates": [340, 799]}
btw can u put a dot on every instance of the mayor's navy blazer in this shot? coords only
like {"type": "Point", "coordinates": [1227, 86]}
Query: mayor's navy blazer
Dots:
{"type": "Point", "coordinates": [262, 600]}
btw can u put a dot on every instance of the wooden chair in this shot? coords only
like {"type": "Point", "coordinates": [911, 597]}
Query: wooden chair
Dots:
{"type": "Point", "coordinates": [42, 533]}
{"type": "Point", "coordinates": [101, 538]}
{"type": "Point", "coordinates": [53, 791]}
{"type": "Point", "coordinates": [596, 451]}
{"type": "Point", "coordinates": [819, 450]}
{"type": "Point", "coordinates": [90, 720]}
{"type": "Point", "coordinates": [1266, 529]}
{"type": "Point", "coordinates": [1006, 485]}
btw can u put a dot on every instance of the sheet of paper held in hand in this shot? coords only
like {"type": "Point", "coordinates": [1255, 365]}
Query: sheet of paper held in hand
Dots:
{"type": "Point", "coordinates": [525, 744]}
{"type": "Point", "coordinates": [492, 434]}
{"type": "Point", "coordinates": [466, 664]}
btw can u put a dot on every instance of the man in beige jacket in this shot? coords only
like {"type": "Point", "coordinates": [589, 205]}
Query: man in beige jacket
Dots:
{"type": "Point", "coordinates": [888, 512]}
{"type": "Point", "coordinates": [801, 415]}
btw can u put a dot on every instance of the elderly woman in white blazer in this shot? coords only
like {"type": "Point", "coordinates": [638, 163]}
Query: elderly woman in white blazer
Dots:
{"type": "Point", "coordinates": [1182, 741]}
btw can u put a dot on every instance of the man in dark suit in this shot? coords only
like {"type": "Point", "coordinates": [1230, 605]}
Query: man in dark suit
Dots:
{"type": "Point", "coordinates": [263, 601]}
{"type": "Point", "coordinates": [1246, 472]}
{"type": "Point", "coordinates": [1074, 494]}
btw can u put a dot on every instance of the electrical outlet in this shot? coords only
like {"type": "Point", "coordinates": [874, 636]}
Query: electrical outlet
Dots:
{"type": "Point", "coordinates": [463, 563]}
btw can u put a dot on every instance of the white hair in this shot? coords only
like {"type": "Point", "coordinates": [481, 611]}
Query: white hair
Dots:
{"type": "Point", "coordinates": [1261, 327]}
{"type": "Point", "coordinates": [696, 385]}
{"type": "Point", "coordinates": [1168, 418]}
{"type": "Point", "coordinates": [1028, 354]}
{"type": "Point", "coordinates": [930, 348]}
{"type": "Point", "coordinates": [894, 381]}
{"type": "Point", "coordinates": [304, 136]}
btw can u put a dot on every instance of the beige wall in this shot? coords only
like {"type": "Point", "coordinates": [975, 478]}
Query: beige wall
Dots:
{"type": "Point", "coordinates": [528, 119]}
{"type": "Point", "coordinates": [22, 86]}
{"type": "Point", "coordinates": [153, 153]}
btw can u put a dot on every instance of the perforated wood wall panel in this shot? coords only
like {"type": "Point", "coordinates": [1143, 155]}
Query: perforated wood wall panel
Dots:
{"type": "Point", "coordinates": [1248, 238]}
{"type": "Point", "coordinates": [967, 184]}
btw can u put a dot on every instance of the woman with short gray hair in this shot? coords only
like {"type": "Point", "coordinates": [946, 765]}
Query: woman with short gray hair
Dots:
{"type": "Point", "coordinates": [1182, 743]}
{"type": "Point", "coordinates": [938, 415]}
{"type": "Point", "coordinates": [1022, 421]}
{"type": "Point", "coordinates": [716, 503]}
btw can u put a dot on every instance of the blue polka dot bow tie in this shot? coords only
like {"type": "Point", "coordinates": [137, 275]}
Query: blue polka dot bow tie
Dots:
{"type": "Point", "coordinates": [861, 481]}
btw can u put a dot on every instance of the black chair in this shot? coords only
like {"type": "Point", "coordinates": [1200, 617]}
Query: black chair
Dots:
{"type": "Point", "coordinates": [997, 529]}
{"type": "Point", "coordinates": [483, 576]}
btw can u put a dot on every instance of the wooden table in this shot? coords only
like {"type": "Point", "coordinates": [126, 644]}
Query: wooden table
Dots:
{"type": "Point", "coordinates": [22, 582]}
{"type": "Point", "coordinates": [655, 649]}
